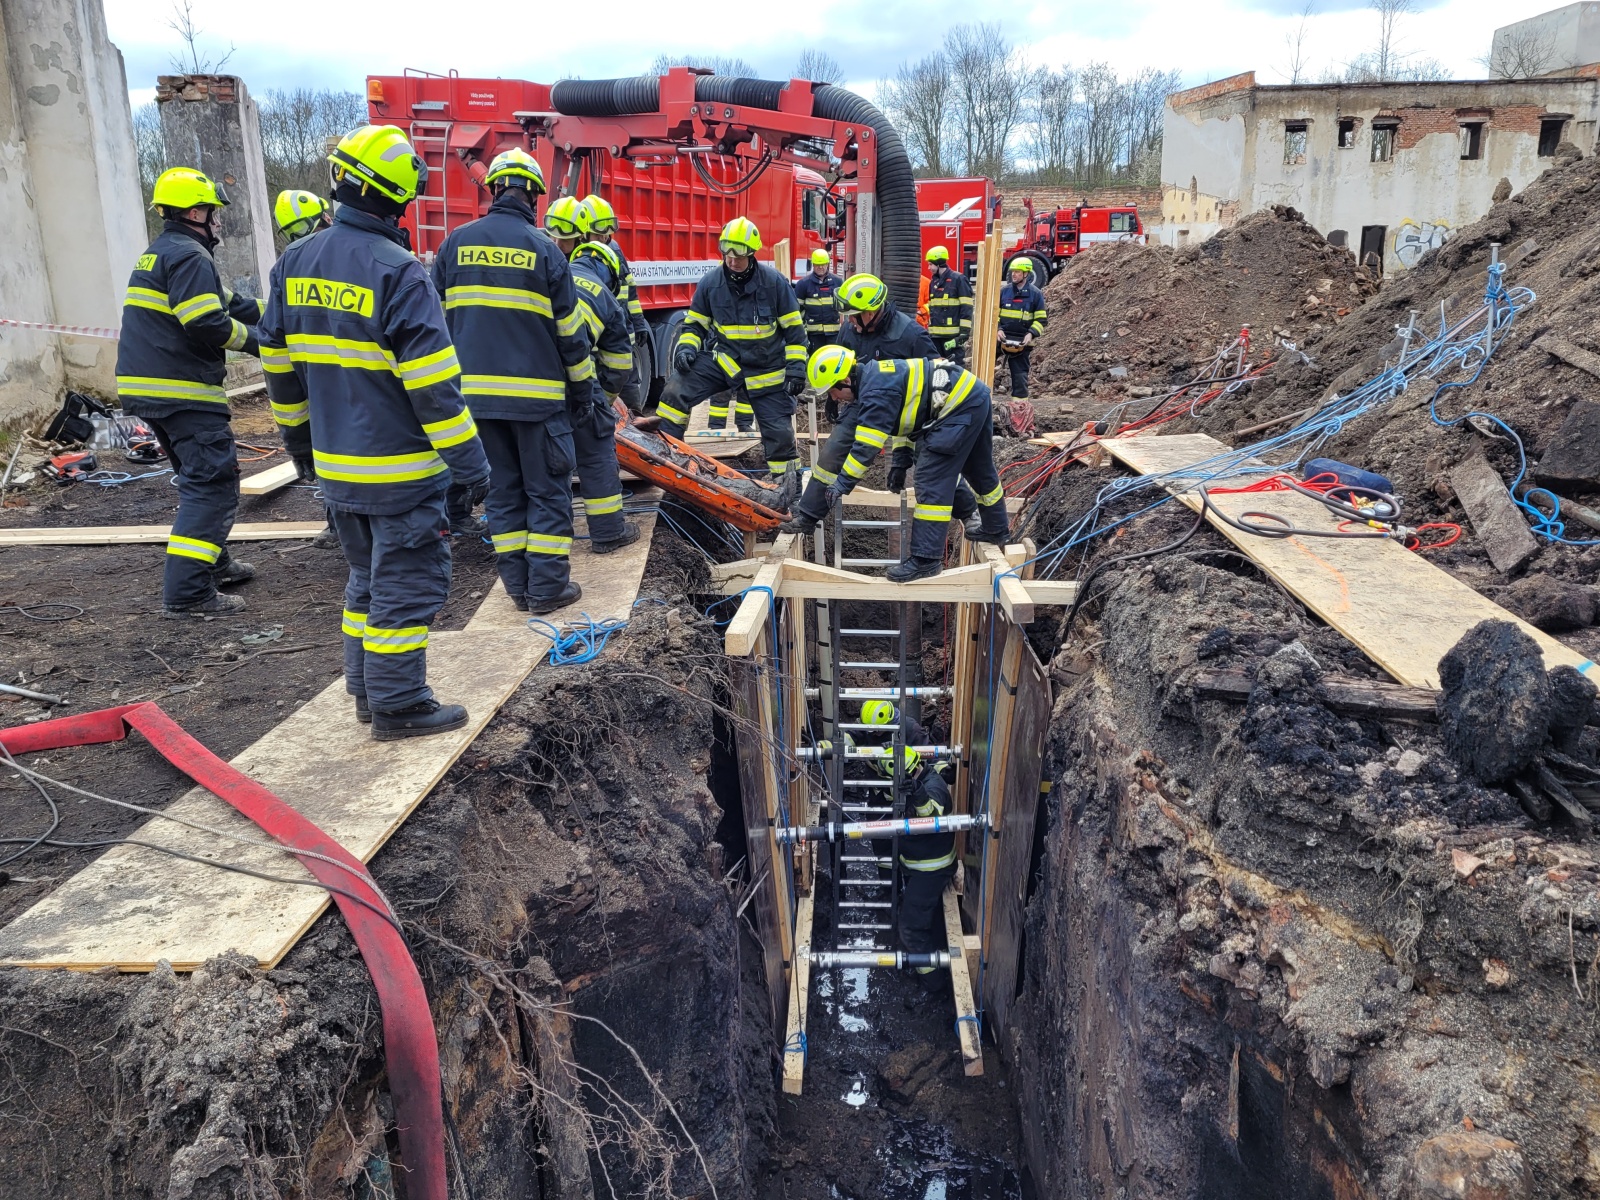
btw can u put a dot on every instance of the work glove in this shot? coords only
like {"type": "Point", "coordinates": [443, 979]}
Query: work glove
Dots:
{"type": "Point", "coordinates": [839, 489]}
{"type": "Point", "coordinates": [475, 491]}
{"type": "Point", "coordinates": [1027, 339]}
{"type": "Point", "coordinates": [305, 468]}
{"type": "Point", "coordinates": [830, 406]}
{"type": "Point", "coordinates": [897, 479]}
{"type": "Point", "coordinates": [683, 359]}
{"type": "Point", "coordinates": [794, 378]}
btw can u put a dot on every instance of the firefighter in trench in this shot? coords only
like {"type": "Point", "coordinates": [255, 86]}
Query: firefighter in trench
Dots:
{"type": "Point", "coordinates": [178, 323]}
{"type": "Point", "coordinates": [603, 228]}
{"type": "Point", "coordinates": [818, 296]}
{"type": "Point", "coordinates": [743, 331]}
{"type": "Point", "coordinates": [949, 306]}
{"type": "Point", "coordinates": [364, 385]}
{"type": "Point", "coordinates": [1022, 318]}
{"type": "Point", "coordinates": [938, 418]}
{"type": "Point", "coordinates": [527, 373]}
{"type": "Point", "coordinates": [927, 864]}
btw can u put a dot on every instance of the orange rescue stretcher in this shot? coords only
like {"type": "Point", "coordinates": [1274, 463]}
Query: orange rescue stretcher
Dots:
{"type": "Point", "coordinates": [699, 479]}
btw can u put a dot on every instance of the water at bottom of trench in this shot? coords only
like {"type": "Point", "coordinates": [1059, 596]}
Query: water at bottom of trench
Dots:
{"type": "Point", "coordinates": [920, 1163]}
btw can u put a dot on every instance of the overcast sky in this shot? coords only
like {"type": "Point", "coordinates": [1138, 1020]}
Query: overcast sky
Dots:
{"type": "Point", "coordinates": [337, 44]}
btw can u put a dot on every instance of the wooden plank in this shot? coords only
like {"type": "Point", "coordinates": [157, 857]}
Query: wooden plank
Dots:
{"type": "Point", "coordinates": [1396, 606]}
{"type": "Point", "coordinates": [961, 985]}
{"type": "Point", "coordinates": [782, 260]}
{"type": "Point", "coordinates": [794, 1041]}
{"type": "Point", "coordinates": [264, 483]}
{"type": "Point", "coordinates": [1572, 355]}
{"type": "Point", "coordinates": [961, 700]}
{"type": "Point", "coordinates": [1014, 598]}
{"type": "Point", "coordinates": [1495, 518]}
{"type": "Point", "coordinates": [996, 765]}
{"type": "Point", "coordinates": [133, 908]}
{"type": "Point", "coordinates": [113, 535]}
{"type": "Point", "coordinates": [754, 609]}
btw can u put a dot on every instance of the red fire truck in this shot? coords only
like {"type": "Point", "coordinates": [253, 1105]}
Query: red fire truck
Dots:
{"type": "Point", "coordinates": [675, 171]}
{"type": "Point", "coordinates": [1054, 237]}
{"type": "Point", "coordinates": [957, 214]}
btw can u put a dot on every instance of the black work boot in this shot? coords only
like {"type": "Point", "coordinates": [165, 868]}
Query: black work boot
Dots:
{"type": "Point", "coordinates": [214, 605]}
{"type": "Point", "coordinates": [801, 522]}
{"type": "Point", "coordinates": [328, 539]}
{"type": "Point", "coordinates": [467, 525]}
{"type": "Point", "coordinates": [234, 572]}
{"type": "Point", "coordinates": [548, 604]}
{"type": "Point", "coordinates": [521, 602]}
{"type": "Point", "coordinates": [914, 568]}
{"type": "Point", "coordinates": [628, 536]}
{"type": "Point", "coordinates": [975, 532]}
{"type": "Point", "coordinates": [363, 712]}
{"type": "Point", "coordinates": [421, 719]}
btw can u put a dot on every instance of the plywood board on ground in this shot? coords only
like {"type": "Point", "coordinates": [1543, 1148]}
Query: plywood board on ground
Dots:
{"type": "Point", "coordinates": [264, 483]}
{"type": "Point", "coordinates": [133, 908]}
{"type": "Point", "coordinates": [1399, 608]}
{"type": "Point", "coordinates": [107, 535]}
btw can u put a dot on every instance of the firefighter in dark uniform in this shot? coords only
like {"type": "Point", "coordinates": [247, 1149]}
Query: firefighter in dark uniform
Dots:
{"type": "Point", "coordinates": [1022, 318]}
{"type": "Point", "coordinates": [178, 323]}
{"type": "Point", "coordinates": [363, 382]}
{"type": "Point", "coordinates": [596, 271]}
{"type": "Point", "coordinates": [927, 862]}
{"type": "Point", "coordinates": [949, 306]}
{"type": "Point", "coordinates": [526, 371]}
{"type": "Point", "coordinates": [743, 331]}
{"type": "Point", "coordinates": [942, 410]}
{"type": "Point", "coordinates": [818, 296]}
{"type": "Point", "coordinates": [603, 228]}
{"type": "Point", "coordinates": [874, 329]}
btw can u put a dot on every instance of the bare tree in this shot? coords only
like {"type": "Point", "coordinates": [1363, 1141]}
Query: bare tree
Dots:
{"type": "Point", "coordinates": [152, 156]}
{"type": "Point", "coordinates": [1386, 54]}
{"type": "Point", "coordinates": [818, 66]}
{"type": "Point", "coordinates": [1053, 124]}
{"type": "Point", "coordinates": [1524, 52]}
{"type": "Point", "coordinates": [192, 61]}
{"type": "Point", "coordinates": [991, 89]}
{"type": "Point", "coordinates": [296, 127]}
{"type": "Point", "coordinates": [1299, 53]}
{"type": "Point", "coordinates": [918, 101]}
{"type": "Point", "coordinates": [717, 64]}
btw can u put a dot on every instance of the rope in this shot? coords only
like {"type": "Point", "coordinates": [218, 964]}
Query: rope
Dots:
{"type": "Point", "coordinates": [581, 641]}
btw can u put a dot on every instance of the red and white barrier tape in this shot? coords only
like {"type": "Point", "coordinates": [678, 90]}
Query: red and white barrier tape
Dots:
{"type": "Point", "coordinates": [80, 330]}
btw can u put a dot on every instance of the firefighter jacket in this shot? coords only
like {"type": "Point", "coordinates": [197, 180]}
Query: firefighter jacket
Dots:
{"type": "Point", "coordinates": [949, 306]}
{"type": "Point", "coordinates": [753, 328]}
{"type": "Point", "coordinates": [903, 399]}
{"type": "Point", "coordinates": [928, 795]}
{"type": "Point", "coordinates": [627, 292]}
{"type": "Point", "coordinates": [897, 336]}
{"type": "Point", "coordinates": [1021, 311]}
{"type": "Point", "coordinates": [816, 297]}
{"type": "Point", "coordinates": [178, 323]}
{"type": "Point", "coordinates": [361, 372]}
{"type": "Point", "coordinates": [513, 314]}
{"type": "Point", "coordinates": [606, 321]}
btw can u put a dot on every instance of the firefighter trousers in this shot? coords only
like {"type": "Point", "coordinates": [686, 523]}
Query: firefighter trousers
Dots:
{"type": "Point", "coordinates": [773, 410]}
{"type": "Point", "coordinates": [199, 445]}
{"type": "Point", "coordinates": [529, 505]}
{"type": "Point", "coordinates": [399, 579]}
{"type": "Point", "coordinates": [594, 442]}
{"type": "Point", "coordinates": [706, 381]}
{"type": "Point", "coordinates": [638, 387]}
{"type": "Point", "coordinates": [922, 909]}
{"type": "Point", "coordinates": [814, 501]}
{"type": "Point", "coordinates": [1018, 363]}
{"type": "Point", "coordinates": [960, 446]}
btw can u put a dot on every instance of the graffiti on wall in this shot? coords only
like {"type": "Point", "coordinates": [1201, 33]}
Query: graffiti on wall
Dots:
{"type": "Point", "coordinates": [1413, 239]}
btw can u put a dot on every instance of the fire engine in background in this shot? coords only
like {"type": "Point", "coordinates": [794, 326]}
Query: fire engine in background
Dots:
{"type": "Point", "coordinates": [957, 214]}
{"type": "Point", "coordinates": [1054, 237]}
{"type": "Point", "coordinates": [677, 156]}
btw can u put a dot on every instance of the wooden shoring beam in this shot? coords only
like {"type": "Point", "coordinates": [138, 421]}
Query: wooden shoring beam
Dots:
{"type": "Point", "coordinates": [110, 535]}
{"type": "Point", "coordinates": [996, 764]}
{"type": "Point", "coordinates": [794, 1040]}
{"type": "Point", "coordinates": [264, 483]}
{"type": "Point", "coordinates": [754, 609]}
{"type": "Point", "coordinates": [961, 986]}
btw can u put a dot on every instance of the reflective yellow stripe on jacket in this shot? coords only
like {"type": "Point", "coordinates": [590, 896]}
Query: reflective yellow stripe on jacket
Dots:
{"type": "Point", "coordinates": [377, 468]}
{"type": "Point", "coordinates": [474, 295]}
{"type": "Point", "coordinates": [170, 389]}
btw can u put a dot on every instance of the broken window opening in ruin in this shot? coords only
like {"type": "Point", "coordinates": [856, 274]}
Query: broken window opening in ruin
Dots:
{"type": "Point", "coordinates": [1339, 237]}
{"type": "Point", "coordinates": [1550, 135]}
{"type": "Point", "coordinates": [1383, 142]}
{"type": "Point", "coordinates": [1347, 133]}
{"type": "Point", "coordinates": [1294, 143]}
{"type": "Point", "coordinates": [1373, 238]}
{"type": "Point", "coordinates": [1471, 139]}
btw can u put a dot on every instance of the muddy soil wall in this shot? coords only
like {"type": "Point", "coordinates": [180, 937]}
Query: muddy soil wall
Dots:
{"type": "Point", "coordinates": [1273, 951]}
{"type": "Point", "coordinates": [561, 860]}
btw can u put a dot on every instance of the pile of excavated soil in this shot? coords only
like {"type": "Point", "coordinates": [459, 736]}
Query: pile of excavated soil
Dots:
{"type": "Point", "coordinates": [1161, 314]}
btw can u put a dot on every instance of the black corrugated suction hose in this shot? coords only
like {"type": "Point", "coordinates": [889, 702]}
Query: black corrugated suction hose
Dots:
{"type": "Point", "coordinates": [899, 223]}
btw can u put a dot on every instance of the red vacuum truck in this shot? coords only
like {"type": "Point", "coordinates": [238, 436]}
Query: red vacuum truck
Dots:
{"type": "Point", "coordinates": [1054, 237]}
{"type": "Point", "coordinates": [678, 156]}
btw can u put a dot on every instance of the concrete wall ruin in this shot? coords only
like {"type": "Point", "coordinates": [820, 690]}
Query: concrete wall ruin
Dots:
{"type": "Point", "coordinates": [71, 235]}
{"type": "Point", "coordinates": [210, 122]}
{"type": "Point", "coordinates": [1556, 41]}
{"type": "Point", "coordinates": [1401, 165]}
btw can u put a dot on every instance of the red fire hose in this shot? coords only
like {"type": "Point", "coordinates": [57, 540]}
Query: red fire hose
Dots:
{"type": "Point", "coordinates": [410, 1045]}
